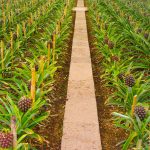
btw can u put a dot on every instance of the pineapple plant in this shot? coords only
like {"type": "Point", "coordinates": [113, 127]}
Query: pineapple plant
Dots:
{"type": "Point", "coordinates": [140, 112]}
{"type": "Point", "coordinates": [106, 39]}
{"type": "Point", "coordinates": [110, 44]}
{"type": "Point", "coordinates": [139, 30]}
{"type": "Point", "coordinates": [27, 47]}
{"type": "Point", "coordinates": [146, 35]}
{"type": "Point", "coordinates": [129, 81]}
{"type": "Point", "coordinates": [24, 104]}
{"type": "Point", "coordinates": [14, 36]}
{"type": "Point", "coordinates": [125, 35]}
{"type": "Point", "coordinates": [121, 76]}
{"type": "Point", "coordinates": [6, 140]}
{"type": "Point", "coordinates": [115, 58]}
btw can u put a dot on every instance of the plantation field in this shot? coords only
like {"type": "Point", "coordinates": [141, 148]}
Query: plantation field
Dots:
{"type": "Point", "coordinates": [121, 49]}
{"type": "Point", "coordinates": [34, 35]}
{"type": "Point", "coordinates": [36, 38]}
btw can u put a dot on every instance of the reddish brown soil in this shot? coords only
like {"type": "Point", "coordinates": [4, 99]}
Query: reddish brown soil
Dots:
{"type": "Point", "coordinates": [110, 135]}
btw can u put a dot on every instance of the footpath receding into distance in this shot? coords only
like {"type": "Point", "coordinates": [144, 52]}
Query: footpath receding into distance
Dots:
{"type": "Point", "coordinates": [81, 127]}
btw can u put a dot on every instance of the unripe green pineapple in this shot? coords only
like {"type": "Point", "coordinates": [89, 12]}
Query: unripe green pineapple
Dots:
{"type": "Point", "coordinates": [24, 104]}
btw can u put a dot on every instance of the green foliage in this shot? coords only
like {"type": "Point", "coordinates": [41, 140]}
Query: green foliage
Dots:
{"type": "Point", "coordinates": [33, 23]}
{"type": "Point", "coordinates": [121, 36]}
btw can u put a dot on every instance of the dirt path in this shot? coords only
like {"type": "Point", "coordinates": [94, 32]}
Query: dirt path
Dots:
{"type": "Point", "coordinates": [81, 127]}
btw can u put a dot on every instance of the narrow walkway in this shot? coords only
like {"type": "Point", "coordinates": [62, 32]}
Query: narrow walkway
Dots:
{"type": "Point", "coordinates": [81, 128]}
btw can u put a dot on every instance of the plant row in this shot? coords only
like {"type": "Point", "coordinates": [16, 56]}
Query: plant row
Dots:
{"type": "Point", "coordinates": [29, 55]}
{"type": "Point", "coordinates": [121, 36]}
